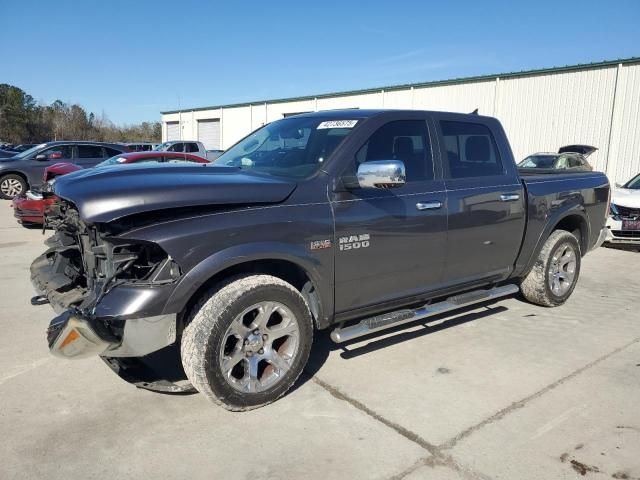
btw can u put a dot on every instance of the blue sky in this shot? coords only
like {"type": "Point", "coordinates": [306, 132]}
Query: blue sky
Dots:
{"type": "Point", "coordinates": [132, 59]}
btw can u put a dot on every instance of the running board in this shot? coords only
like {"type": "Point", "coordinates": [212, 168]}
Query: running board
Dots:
{"type": "Point", "coordinates": [400, 317]}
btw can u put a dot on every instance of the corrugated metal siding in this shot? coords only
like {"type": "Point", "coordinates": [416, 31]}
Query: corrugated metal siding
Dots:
{"type": "Point", "coordinates": [463, 98]}
{"type": "Point", "coordinates": [625, 138]}
{"type": "Point", "coordinates": [540, 111]}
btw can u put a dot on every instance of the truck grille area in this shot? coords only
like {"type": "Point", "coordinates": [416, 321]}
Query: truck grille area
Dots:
{"type": "Point", "coordinates": [84, 262]}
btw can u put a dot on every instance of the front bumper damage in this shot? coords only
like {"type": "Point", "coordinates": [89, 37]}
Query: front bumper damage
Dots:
{"type": "Point", "coordinates": [616, 235]}
{"type": "Point", "coordinates": [103, 311]}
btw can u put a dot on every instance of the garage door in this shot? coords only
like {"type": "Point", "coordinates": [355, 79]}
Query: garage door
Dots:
{"type": "Point", "coordinates": [209, 133]}
{"type": "Point", "coordinates": [173, 131]}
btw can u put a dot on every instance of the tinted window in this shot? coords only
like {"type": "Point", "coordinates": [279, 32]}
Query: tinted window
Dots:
{"type": "Point", "coordinates": [575, 162]}
{"type": "Point", "coordinates": [471, 150]}
{"type": "Point", "coordinates": [110, 152]}
{"type": "Point", "coordinates": [538, 161]}
{"type": "Point", "coordinates": [176, 147]}
{"type": "Point", "coordinates": [405, 140]}
{"type": "Point", "coordinates": [192, 147]}
{"type": "Point", "coordinates": [65, 151]}
{"type": "Point", "coordinates": [89, 151]}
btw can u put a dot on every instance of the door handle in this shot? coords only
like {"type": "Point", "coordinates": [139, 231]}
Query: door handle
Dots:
{"type": "Point", "coordinates": [509, 197]}
{"type": "Point", "coordinates": [429, 205]}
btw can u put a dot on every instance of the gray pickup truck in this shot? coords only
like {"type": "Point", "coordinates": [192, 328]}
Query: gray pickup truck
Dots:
{"type": "Point", "coordinates": [359, 220]}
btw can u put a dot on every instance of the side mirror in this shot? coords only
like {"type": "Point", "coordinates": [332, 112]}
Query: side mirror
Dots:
{"type": "Point", "coordinates": [617, 185]}
{"type": "Point", "coordinates": [381, 174]}
{"type": "Point", "coordinates": [41, 156]}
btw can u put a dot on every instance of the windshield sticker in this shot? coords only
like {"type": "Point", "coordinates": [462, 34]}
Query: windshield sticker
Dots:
{"type": "Point", "coordinates": [337, 124]}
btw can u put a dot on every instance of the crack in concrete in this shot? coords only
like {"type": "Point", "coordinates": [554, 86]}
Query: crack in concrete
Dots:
{"type": "Point", "coordinates": [449, 444]}
{"type": "Point", "coordinates": [436, 457]}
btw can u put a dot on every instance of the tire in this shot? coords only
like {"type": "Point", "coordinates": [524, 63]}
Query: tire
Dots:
{"type": "Point", "coordinates": [238, 354]}
{"type": "Point", "coordinates": [11, 186]}
{"type": "Point", "coordinates": [555, 274]}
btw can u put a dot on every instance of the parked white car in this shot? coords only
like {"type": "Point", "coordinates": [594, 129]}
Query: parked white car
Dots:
{"type": "Point", "coordinates": [624, 218]}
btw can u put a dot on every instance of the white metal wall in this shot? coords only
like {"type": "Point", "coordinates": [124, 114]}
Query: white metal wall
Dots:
{"type": "Point", "coordinates": [599, 106]}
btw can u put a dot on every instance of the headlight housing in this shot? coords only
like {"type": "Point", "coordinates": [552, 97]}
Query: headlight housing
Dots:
{"type": "Point", "coordinates": [613, 210]}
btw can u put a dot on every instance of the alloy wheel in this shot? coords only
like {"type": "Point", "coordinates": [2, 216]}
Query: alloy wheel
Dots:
{"type": "Point", "coordinates": [11, 187]}
{"type": "Point", "coordinates": [259, 347]}
{"type": "Point", "coordinates": [562, 270]}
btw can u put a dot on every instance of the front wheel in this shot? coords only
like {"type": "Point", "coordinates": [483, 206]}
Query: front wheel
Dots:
{"type": "Point", "coordinates": [11, 186]}
{"type": "Point", "coordinates": [555, 273]}
{"type": "Point", "coordinates": [247, 342]}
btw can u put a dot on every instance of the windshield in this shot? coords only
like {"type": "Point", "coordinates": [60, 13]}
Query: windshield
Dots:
{"type": "Point", "coordinates": [26, 153]}
{"type": "Point", "coordinates": [538, 161]}
{"type": "Point", "coordinates": [162, 147]}
{"type": "Point", "coordinates": [292, 147]}
{"type": "Point", "coordinates": [117, 160]}
{"type": "Point", "coordinates": [634, 183]}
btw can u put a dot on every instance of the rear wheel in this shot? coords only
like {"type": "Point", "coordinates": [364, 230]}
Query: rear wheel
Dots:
{"type": "Point", "coordinates": [12, 185]}
{"type": "Point", "coordinates": [247, 342]}
{"type": "Point", "coordinates": [555, 273]}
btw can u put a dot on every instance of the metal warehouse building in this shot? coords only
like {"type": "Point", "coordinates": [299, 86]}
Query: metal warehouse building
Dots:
{"type": "Point", "coordinates": [596, 104]}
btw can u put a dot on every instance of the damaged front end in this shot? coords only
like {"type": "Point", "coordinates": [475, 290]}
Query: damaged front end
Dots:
{"type": "Point", "coordinates": [110, 294]}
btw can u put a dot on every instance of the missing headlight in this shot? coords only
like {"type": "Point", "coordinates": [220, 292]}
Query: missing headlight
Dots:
{"type": "Point", "coordinates": [142, 262]}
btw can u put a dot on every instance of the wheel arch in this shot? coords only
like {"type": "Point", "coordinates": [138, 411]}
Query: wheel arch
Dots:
{"type": "Point", "coordinates": [18, 173]}
{"type": "Point", "coordinates": [301, 272]}
{"type": "Point", "coordinates": [571, 220]}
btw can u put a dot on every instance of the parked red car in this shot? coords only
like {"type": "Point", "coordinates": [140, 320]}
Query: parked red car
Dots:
{"type": "Point", "coordinates": [29, 208]}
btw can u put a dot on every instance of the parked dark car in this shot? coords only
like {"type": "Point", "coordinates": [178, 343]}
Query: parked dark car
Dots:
{"type": "Point", "coordinates": [25, 170]}
{"type": "Point", "coordinates": [29, 208]}
{"type": "Point", "coordinates": [569, 158]}
{"type": "Point", "coordinates": [357, 219]}
{"type": "Point", "coordinates": [13, 150]}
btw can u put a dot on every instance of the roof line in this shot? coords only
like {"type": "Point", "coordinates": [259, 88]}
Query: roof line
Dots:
{"type": "Point", "coordinates": [452, 81]}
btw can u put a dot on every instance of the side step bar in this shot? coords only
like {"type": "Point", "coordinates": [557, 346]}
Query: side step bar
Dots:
{"type": "Point", "coordinates": [400, 317]}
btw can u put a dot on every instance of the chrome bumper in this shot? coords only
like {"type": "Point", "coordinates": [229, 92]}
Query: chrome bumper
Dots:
{"type": "Point", "coordinates": [70, 335]}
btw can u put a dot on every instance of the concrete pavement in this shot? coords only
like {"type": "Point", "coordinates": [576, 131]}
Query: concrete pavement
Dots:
{"type": "Point", "coordinates": [508, 390]}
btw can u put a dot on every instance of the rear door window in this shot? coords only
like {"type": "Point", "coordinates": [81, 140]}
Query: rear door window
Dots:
{"type": "Point", "coordinates": [471, 150]}
{"type": "Point", "coordinates": [89, 151]}
{"type": "Point", "coordinates": [192, 148]}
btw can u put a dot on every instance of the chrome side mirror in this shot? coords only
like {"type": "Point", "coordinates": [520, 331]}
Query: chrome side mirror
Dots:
{"type": "Point", "coordinates": [381, 174]}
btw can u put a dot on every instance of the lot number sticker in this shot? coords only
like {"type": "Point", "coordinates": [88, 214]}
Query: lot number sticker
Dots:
{"type": "Point", "coordinates": [337, 124]}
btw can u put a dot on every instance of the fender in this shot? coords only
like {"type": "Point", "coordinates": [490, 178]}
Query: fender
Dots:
{"type": "Point", "coordinates": [236, 255]}
{"type": "Point", "coordinates": [557, 216]}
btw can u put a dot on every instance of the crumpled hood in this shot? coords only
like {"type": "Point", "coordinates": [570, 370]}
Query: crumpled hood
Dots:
{"type": "Point", "coordinates": [626, 197]}
{"type": "Point", "coordinates": [107, 193]}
